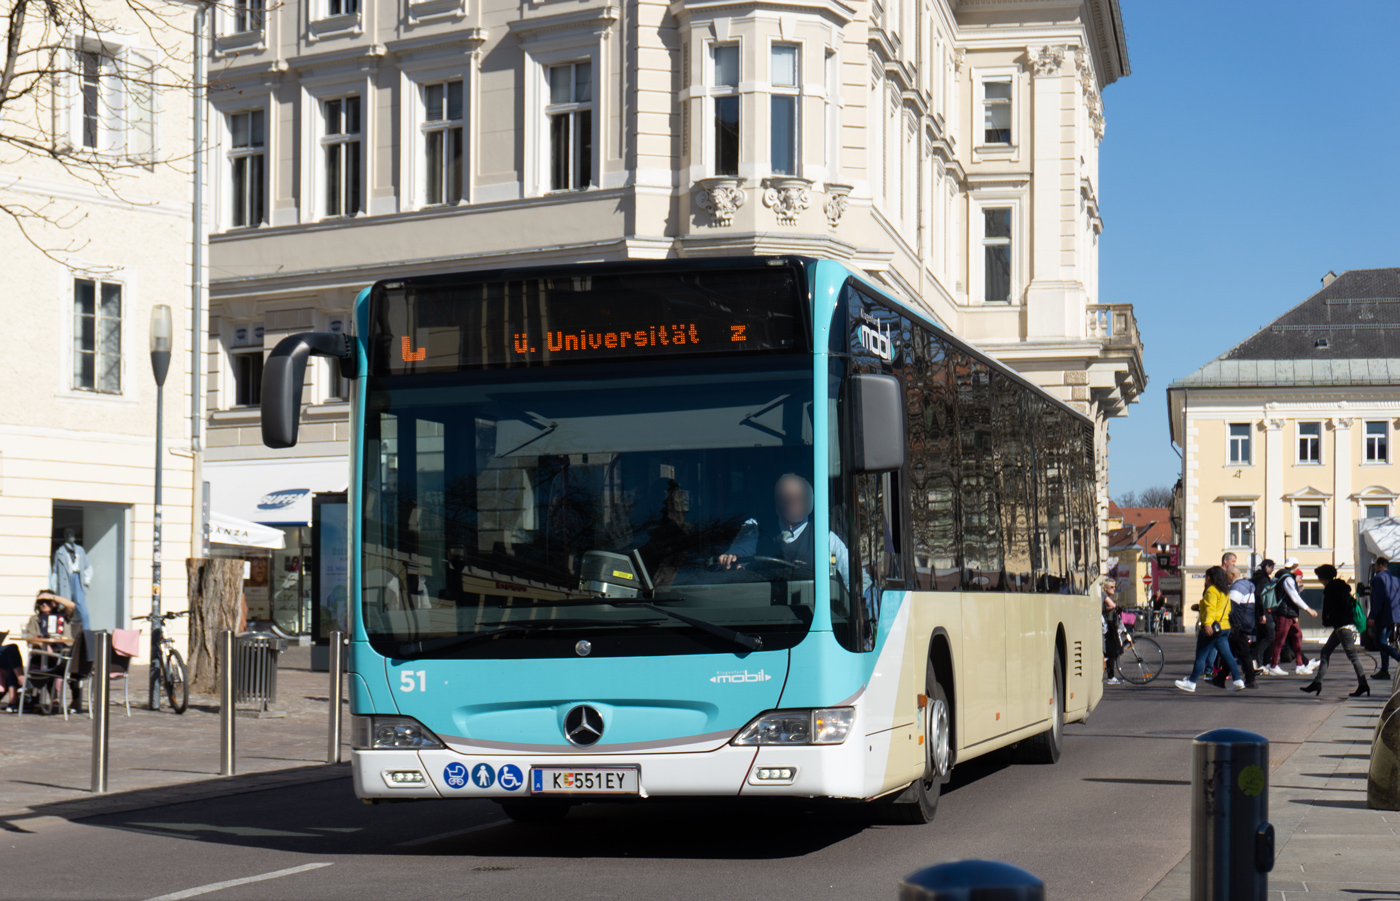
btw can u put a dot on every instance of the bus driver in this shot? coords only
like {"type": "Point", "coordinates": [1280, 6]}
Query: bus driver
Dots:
{"type": "Point", "coordinates": [791, 540]}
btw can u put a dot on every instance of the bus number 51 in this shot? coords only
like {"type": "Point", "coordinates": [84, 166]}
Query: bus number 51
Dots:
{"type": "Point", "coordinates": [406, 680]}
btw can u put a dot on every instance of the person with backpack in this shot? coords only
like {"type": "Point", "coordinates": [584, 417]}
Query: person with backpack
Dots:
{"type": "Point", "coordinates": [1290, 607]}
{"type": "Point", "coordinates": [1385, 612]}
{"type": "Point", "coordinates": [1265, 600]}
{"type": "Point", "coordinates": [1242, 622]}
{"type": "Point", "coordinates": [1340, 612]}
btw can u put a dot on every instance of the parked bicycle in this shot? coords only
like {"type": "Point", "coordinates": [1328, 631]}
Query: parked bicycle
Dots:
{"type": "Point", "coordinates": [1141, 660]}
{"type": "Point", "coordinates": [170, 666]}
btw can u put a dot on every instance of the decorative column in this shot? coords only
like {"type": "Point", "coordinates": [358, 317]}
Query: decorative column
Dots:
{"type": "Point", "coordinates": [1344, 536]}
{"type": "Point", "coordinates": [1272, 544]}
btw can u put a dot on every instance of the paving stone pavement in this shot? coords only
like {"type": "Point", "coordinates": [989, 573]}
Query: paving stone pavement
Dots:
{"type": "Point", "coordinates": [156, 757]}
{"type": "Point", "coordinates": [1329, 845]}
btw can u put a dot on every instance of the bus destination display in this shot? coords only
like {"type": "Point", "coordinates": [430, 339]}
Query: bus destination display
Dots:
{"type": "Point", "coordinates": [445, 325]}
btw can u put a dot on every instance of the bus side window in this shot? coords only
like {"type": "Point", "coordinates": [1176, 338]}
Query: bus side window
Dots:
{"type": "Point", "coordinates": [879, 538]}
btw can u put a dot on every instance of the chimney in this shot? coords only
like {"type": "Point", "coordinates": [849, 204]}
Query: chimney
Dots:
{"type": "Point", "coordinates": [1329, 278]}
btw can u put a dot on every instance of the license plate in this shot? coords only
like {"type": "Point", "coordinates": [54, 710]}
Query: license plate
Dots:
{"type": "Point", "coordinates": [585, 780]}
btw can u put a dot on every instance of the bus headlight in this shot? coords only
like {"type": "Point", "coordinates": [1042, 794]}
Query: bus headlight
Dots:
{"type": "Point", "coordinates": [401, 733]}
{"type": "Point", "coordinates": [823, 726]}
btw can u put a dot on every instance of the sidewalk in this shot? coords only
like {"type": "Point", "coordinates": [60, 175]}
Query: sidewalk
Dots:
{"type": "Point", "coordinates": [156, 757]}
{"type": "Point", "coordinates": [1329, 845]}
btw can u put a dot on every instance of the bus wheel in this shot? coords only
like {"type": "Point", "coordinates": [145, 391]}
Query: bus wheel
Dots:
{"type": "Point", "coordinates": [1046, 747]}
{"type": "Point", "coordinates": [535, 811]}
{"type": "Point", "coordinates": [918, 803]}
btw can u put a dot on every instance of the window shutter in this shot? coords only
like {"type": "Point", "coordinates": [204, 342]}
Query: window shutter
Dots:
{"type": "Point", "coordinates": [141, 107]}
{"type": "Point", "coordinates": [63, 84]}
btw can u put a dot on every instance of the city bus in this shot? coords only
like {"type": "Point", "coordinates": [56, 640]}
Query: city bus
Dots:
{"type": "Point", "coordinates": [698, 528]}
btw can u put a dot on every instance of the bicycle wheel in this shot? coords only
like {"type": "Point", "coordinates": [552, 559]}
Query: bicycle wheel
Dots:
{"type": "Point", "coordinates": [1141, 660]}
{"type": "Point", "coordinates": [176, 688]}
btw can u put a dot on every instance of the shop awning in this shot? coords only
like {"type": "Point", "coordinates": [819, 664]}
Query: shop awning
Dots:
{"type": "Point", "coordinates": [1382, 536]}
{"type": "Point", "coordinates": [273, 492]}
{"type": "Point", "coordinates": [241, 533]}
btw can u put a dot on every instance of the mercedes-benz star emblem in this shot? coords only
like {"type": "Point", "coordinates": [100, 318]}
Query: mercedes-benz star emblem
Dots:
{"type": "Point", "coordinates": [583, 648]}
{"type": "Point", "coordinates": [583, 726]}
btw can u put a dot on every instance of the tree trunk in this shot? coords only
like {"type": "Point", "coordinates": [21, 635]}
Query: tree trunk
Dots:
{"type": "Point", "coordinates": [215, 592]}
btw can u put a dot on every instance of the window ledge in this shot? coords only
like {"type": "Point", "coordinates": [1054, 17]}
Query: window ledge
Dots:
{"type": "Point", "coordinates": [239, 41]}
{"type": "Point", "coordinates": [436, 9]}
{"type": "Point", "coordinates": [335, 26]}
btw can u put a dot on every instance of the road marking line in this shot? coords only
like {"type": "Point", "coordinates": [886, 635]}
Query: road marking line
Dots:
{"type": "Point", "coordinates": [230, 883]}
{"type": "Point", "coordinates": [441, 835]}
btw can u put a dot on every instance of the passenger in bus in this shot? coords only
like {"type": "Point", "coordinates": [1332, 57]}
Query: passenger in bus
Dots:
{"type": "Point", "coordinates": [789, 538]}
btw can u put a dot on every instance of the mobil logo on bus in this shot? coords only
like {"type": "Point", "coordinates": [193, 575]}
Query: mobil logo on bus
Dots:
{"type": "Point", "coordinates": [739, 676]}
{"type": "Point", "coordinates": [877, 343]}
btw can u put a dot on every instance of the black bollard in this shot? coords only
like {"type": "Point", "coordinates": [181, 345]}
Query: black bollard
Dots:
{"type": "Point", "coordinates": [972, 880]}
{"type": "Point", "coordinates": [1232, 842]}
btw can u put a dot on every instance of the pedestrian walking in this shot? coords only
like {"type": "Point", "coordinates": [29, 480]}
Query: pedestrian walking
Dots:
{"type": "Point", "coordinates": [1242, 619]}
{"type": "Point", "coordinates": [1213, 631]}
{"type": "Point", "coordinates": [1112, 647]}
{"type": "Point", "coordinates": [1339, 614]}
{"type": "Point", "coordinates": [1290, 606]}
{"type": "Point", "coordinates": [1385, 612]}
{"type": "Point", "coordinates": [1265, 600]}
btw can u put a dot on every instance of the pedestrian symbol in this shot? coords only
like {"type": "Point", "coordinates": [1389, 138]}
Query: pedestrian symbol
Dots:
{"type": "Point", "coordinates": [483, 775]}
{"type": "Point", "coordinates": [511, 777]}
{"type": "Point", "coordinates": [455, 775]}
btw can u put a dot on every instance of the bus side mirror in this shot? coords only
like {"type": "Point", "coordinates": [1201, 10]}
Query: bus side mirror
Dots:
{"type": "Point", "coordinates": [284, 374]}
{"type": "Point", "coordinates": [879, 422]}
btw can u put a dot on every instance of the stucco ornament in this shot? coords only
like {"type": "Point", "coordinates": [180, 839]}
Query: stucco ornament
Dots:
{"type": "Point", "coordinates": [838, 198]}
{"type": "Point", "coordinates": [1046, 60]}
{"type": "Point", "coordinates": [787, 197]}
{"type": "Point", "coordinates": [721, 197]}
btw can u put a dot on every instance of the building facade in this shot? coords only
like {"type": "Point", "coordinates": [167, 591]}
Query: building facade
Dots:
{"type": "Point", "coordinates": [1286, 438]}
{"type": "Point", "coordinates": [949, 149]}
{"type": "Point", "coordinates": [108, 237]}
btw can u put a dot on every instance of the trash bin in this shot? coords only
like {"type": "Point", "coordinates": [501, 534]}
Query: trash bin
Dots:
{"type": "Point", "coordinates": [255, 676]}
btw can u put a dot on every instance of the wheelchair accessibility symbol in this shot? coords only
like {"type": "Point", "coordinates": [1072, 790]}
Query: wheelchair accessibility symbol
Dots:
{"type": "Point", "coordinates": [483, 775]}
{"type": "Point", "coordinates": [455, 775]}
{"type": "Point", "coordinates": [511, 777]}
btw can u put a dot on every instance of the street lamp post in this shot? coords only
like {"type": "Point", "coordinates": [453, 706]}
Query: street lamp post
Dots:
{"type": "Point", "coordinates": [161, 331]}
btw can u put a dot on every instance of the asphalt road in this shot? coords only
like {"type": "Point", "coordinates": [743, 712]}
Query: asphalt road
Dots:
{"type": "Point", "coordinates": [1107, 822]}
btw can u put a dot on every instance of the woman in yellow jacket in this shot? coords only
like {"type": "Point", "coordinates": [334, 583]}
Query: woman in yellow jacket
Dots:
{"type": "Point", "coordinates": [1214, 631]}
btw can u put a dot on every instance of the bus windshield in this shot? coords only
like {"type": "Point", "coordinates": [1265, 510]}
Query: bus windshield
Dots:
{"type": "Point", "coordinates": [484, 491]}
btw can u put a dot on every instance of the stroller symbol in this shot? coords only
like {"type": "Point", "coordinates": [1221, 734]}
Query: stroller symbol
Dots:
{"type": "Point", "coordinates": [455, 775]}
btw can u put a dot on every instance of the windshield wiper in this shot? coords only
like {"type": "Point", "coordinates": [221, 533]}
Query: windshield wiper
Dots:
{"type": "Point", "coordinates": [743, 639]}
{"type": "Point", "coordinates": [411, 649]}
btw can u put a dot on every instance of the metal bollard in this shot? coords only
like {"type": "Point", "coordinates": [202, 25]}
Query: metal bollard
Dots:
{"type": "Point", "coordinates": [337, 668]}
{"type": "Point", "coordinates": [1232, 842]}
{"type": "Point", "coordinates": [227, 714]}
{"type": "Point", "coordinates": [101, 696]}
{"type": "Point", "coordinates": [964, 880]}
{"type": "Point", "coordinates": [1383, 779]}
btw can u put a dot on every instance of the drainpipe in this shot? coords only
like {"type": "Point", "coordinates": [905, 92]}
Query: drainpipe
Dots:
{"type": "Point", "coordinates": [197, 330]}
{"type": "Point", "coordinates": [197, 257]}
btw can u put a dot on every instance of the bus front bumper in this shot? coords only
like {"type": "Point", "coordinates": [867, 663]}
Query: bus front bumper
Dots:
{"type": "Point", "coordinates": [811, 771]}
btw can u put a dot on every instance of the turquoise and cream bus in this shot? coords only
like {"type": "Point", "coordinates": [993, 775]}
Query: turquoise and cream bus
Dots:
{"type": "Point", "coordinates": [731, 527]}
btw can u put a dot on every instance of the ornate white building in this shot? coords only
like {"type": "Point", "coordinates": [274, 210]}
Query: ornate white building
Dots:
{"type": "Point", "coordinates": [947, 147]}
{"type": "Point", "coordinates": [105, 233]}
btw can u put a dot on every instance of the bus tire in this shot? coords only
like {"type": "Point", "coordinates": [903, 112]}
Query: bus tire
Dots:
{"type": "Point", "coordinates": [535, 811]}
{"type": "Point", "coordinates": [1046, 747]}
{"type": "Point", "coordinates": [918, 803]}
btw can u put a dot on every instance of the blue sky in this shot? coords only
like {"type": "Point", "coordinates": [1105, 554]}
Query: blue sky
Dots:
{"type": "Point", "coordinates": [1255, 146]}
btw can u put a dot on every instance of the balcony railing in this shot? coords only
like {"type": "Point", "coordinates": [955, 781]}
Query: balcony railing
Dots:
{"type": "Point", "coordinates": [1114, 323]}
